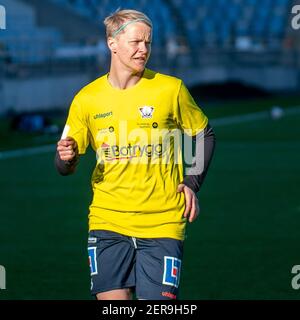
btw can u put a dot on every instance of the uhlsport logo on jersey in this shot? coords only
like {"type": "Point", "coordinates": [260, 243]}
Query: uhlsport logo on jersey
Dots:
{"type": "Point", "coordinates": [146, 112]}
{"type": "Point", "coordinates": [103, 115]}
{"type": "Point", "coordinates": [172, 268]}
{"type": "Point", "coordinates": [92, 260]}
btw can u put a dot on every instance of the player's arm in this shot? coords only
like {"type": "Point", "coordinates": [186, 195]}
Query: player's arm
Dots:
{"type": "Point", "coordinates": [66, 158]}
{"type": "Point", "coordinates": [207, 137]}
{"type": "Point", "coordinates": [192, 182]}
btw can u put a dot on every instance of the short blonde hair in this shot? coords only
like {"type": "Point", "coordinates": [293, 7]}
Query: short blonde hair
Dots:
{"type": "Point", "coordinates": [115, 21]}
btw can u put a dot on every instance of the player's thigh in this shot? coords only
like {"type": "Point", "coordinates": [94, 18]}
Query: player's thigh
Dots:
{"type": "Point", "coordinates": [158, 267]}
{"type": "Point", "coordinates": [117, 294]}
{"type": "Point", "coordinates": [112, 262]}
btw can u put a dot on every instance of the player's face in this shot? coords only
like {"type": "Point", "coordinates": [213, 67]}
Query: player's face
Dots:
{"type": "Point", "coordinates": [133, 46]}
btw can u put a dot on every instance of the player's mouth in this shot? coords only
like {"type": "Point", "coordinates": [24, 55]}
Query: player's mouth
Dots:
{"type": "Point", "coordinates": [140, 59]}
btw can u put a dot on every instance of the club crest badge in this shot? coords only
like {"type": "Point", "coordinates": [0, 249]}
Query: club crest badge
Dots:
{"type": "Point", "coordinates": [146, 112]}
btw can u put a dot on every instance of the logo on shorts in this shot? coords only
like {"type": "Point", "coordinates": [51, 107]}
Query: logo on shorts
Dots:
{"type": "Point", "coordinates": [172, 268]}
{"type": "Point", "coordinates": [93, 260]}
{"type": "Point", "coordinates": [169, 295]}
{"type": "Point", "coordinates": [146, 112]}
{"type": "Point", "coordinates": [92, 240]}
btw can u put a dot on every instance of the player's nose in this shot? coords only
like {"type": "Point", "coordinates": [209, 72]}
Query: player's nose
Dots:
{"type": "Point", "coordinates": [143, 47]}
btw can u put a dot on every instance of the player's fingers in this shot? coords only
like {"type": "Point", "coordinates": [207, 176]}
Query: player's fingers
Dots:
{"type": "Point", "coordinates": [63, 143]}
{"type": "Point", "coordinates": [64, 148]}
{"type": "Point", "coordinates": [67, 152]}
{"type": "Point", "coordinates": [70, 151]}
{"type": "Point", "coordinates": [194, 212]}
{"type": "Point", "coordinates": [188, 202]}
{"type": "Point", "coordinates": [69, 141]}
{"type": "Point", "coordinates": [66, 158]}
{"type": "Point", "coordinates": [180, 187]}
{"type": "Point", "coordinates": [67, 155]}
{"type": "Point", "coordinates": [67, 144]}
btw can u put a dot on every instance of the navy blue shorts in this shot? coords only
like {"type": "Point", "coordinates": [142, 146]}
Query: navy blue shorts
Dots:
{"type": "Point", "coordinates": [150, 266]}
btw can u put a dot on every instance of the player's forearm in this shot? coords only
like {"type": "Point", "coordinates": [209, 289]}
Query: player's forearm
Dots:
{"type": "Point", "coordinates": [65, 167]}
{"type": "Point", "coordinates": [194, 181]}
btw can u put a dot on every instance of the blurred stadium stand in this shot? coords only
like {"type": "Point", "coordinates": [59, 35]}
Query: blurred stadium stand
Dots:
{"type": "Point", "coordinates": [61, 43]}
{"type": "Point", "coordinates": [24, 39]}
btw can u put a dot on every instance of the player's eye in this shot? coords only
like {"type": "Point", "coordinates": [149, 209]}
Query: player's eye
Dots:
{"type": "Point", "coordinates": [134, 42]}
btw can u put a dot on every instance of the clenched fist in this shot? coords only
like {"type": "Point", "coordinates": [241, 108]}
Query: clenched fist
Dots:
{"type": "Point", "coordinates": [67, 149]}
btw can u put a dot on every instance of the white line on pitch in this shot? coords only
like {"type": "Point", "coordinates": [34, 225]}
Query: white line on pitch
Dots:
{"type": "Point", "coordinates": [26, 152]}
{"type": "Point", "coordinates": [250, 117]}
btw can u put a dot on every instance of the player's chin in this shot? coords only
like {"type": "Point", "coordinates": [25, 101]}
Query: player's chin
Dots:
{"type": "Point", "coordinates": [139, 66]}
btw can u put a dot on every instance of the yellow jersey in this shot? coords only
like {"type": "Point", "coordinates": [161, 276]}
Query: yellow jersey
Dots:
{"type": "Point", "coordinates": [136, 135]}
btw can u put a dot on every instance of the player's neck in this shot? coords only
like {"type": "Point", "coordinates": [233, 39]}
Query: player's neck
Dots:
{"type": "Point", "coordinates": [123, 79]}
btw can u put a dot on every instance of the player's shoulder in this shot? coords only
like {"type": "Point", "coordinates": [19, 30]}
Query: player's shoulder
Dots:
{"type": "Point", "coordinates": [91, 88]}
{"type": "Point", "coordinates": [163, 79]}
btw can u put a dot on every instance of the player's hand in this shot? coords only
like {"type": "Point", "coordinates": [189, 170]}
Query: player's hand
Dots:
{"type": "Point", "coordinates": [67, 149]}
{"type": "Point", "coordinates": [191, 203]}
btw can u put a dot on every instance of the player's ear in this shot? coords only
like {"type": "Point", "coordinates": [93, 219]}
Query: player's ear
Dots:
{"type": "Point", "coordinates": [111, 43]}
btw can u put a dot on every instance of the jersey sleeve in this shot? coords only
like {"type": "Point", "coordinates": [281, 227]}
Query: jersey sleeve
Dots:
{"type": "Point", "coordinates": [189, 117]}
{"type": "Point", "coordinates": [76, 126]}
